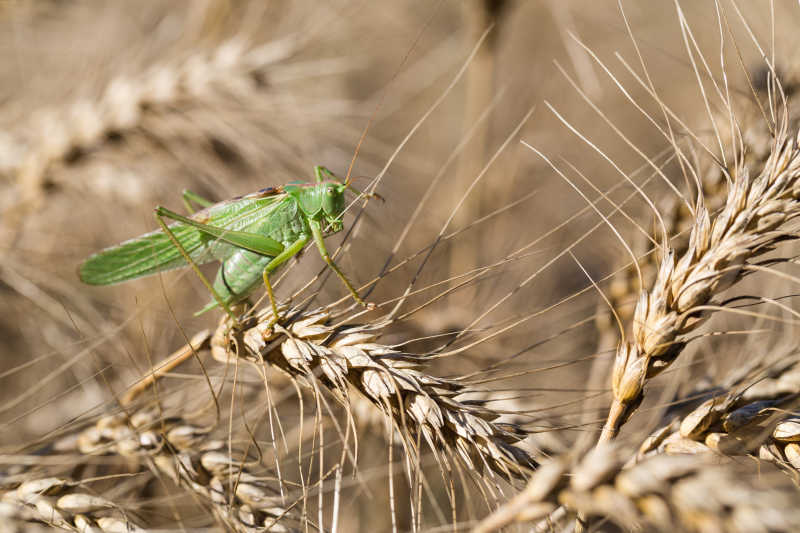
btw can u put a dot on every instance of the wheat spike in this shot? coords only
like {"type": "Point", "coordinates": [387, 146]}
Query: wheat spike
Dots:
{"type": "Point", "coordinates": [186, 454]}
{"type": "Point", "coordinates": [417, 403]}
{"type": "Point", "coordinates": [754, 143]}
{"type": "Point", "coordinates": [60, 503]}
{"type": "Point", "coordinates": [623, 290]}
{"type": "Point", "coordinates": [173, 448]}
{"type": "Point", "coordinates": [752, 415]}
{"type": "Point", "coordinates": [753, 220]}
{"type": "Point", "coordinates": [663, 492]}
{"type": "Point", "coordinates": [230, 71]}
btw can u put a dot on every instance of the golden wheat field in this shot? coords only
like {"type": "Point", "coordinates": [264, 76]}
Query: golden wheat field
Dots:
{"type": "Point", "coordinates": [575, 241]}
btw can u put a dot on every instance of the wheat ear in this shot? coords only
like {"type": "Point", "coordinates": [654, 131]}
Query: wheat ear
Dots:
{"type": "Point", "coordinates": [754, 415]}
{"type": "Point", "coordinates": [59, 503]}
{"type": "Point", "coordinates": [186, 454]}
{"type": "Point", "coordinates": [666, 493]}
{"type": "Point", "coordinates": [751, 222]}
{"type": "Point", "coordinates": [624, 288]}
{"type": "Point", "coordinates": [173, 448]}
{"type": "Point", "coordinates": [417, 403]}
{"type": "Point", "coordinates": [231, 70]}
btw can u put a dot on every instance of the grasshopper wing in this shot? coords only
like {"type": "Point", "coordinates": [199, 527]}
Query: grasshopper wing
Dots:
{"type": "Point", "coordinates": [154, 252]}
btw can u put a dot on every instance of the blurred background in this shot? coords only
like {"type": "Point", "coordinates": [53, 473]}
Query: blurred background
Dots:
{"type": "Point", "coordinates": [109, 109]}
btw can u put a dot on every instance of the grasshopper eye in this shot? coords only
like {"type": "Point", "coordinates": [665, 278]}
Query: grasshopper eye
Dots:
{"type": "Point", "coordinates": [330, 191]}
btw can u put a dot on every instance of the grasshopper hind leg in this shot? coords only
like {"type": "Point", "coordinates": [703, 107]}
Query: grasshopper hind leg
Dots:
{"type": "Point", "coordinates": [217, 298]}
{"type": "Point", "coordinates": [249, 243]}
{"type": "Point", "coordinates": [241, 273]}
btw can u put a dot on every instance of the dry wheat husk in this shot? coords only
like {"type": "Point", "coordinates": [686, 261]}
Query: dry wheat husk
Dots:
{"type": "Point", "coordinates": [756, 216]}
{"type": "Point", "coordinates": [663, 493]}
{"type": "Point", "coordinates": [173, 448]}
{"type": "Point", "coordinates": [418, 405]}
{"type": "Point", "coordinates": [624, 288]}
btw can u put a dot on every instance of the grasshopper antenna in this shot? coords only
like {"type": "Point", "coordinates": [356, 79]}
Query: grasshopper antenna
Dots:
{"type": "Point", "coordinates": [349, 176]}
{"type": "Point", "coordinates": [367, 195]}
{"type": "Point", "coordinates": [413, 47]}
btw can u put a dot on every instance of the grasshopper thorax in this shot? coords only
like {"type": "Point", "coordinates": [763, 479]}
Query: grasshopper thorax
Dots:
{"type": "Point", "coordinates": [323, 201]}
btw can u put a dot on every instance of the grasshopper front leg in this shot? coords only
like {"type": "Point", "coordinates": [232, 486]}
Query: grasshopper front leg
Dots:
{"type": "Point", "coordinates": [316, 231]}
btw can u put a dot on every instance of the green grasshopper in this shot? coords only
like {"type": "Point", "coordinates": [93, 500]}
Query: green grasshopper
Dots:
{"type": "Point", "coordinates": [250, 235]}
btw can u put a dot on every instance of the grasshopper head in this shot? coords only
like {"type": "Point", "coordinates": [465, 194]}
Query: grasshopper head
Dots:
{"type": "Point", "coordinates": [333, 203]}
